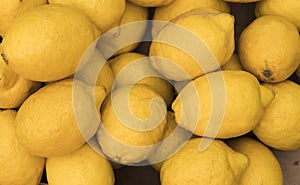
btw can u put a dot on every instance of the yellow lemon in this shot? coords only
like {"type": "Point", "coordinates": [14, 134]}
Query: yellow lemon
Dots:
{"type": "Point", "coordinates": [151, 3]}
{"type": "Point", "coordinates": [125, 67]}
{"type": "Point", "coordinates": [63, 119]}
{"type": "Point", "coordinates": [241, 1]}
{"type": "Point", "coordinates": [11, 9]}
{"type": "Point", "coordinates": [288, 9]}
{"type": "Point", "coordinates": [104, 14]}
{"type": "Point", "coordinates": [14, 89]}
{"type": "Point", "coordinates": [64, 33]}
{"type": "Point", "coordinates": [18, 167]}
{"type": "Point", "coordinates": [218, 164]}
{"type": "Point", "coordinates": [214, 40]}
{"type": "Point", "coordinates": [198, 109]}
{"type": "Point", "coordinates": [264, 168]}
{"type": "Point", "coordinates": [175, 138]}
{"type": "Point", "coordinates": [133, 20]}
{"type": "Point", "coordinates": [269, 48]}
{"type": "Point", "coordinates": [279, 126]}
{"type": "Point", "coordinates": [178, 7]}
{"type": "Point", "coordinates": [133, 121]}
{"type": "Point", "coordinates": [234, 63]}
{"type": "Point", "coordinates": [83, 166]}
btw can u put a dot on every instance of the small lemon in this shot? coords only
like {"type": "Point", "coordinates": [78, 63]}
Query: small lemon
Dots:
{"type": "Point", "coordinates": [133, 122]}
{"type": "Point", "coordinates": [83, 166]}
{"type": "Point", "coordinates": [218, 164]}
{"type": "Point", "coordinates": [64, 33]}
{"type": "Point", "coordinates": [14, 89]}
{"type": "Point", "coordinates": [135, 68]}
{"type": "Point", "coordinates": [279, 127]}
{"type": "Point", "coordinates": [234, 63]}
{"type": "Point", "coordinates": [264, 168]}
{"type": "Point", "coordinates": [104, 14]}
{"type": "Point", "coordinates": [62, 116]}
{"type": "Point", "coordinates": [18, 167]}
{"type": "Point", "coordinates": [174, 139]}
{"type": "Point", "coordinates": [269, 48]}
{"type": "Point", "coordinates": [214, 34]}
{"type": "Point", "coordinates": [11, 9]}
{"type": "Point", "coordinates": [288, 9]}
{"type": "Point", "coordinates": [196, 103]}
{"type": "Point", "coordinates": [151, 3]}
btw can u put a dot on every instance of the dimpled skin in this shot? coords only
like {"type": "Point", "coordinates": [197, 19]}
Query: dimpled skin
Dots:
{"type": "Point", "coordinates": [64, 33]}
{"type": "Point", "coordinates": [216, 165]}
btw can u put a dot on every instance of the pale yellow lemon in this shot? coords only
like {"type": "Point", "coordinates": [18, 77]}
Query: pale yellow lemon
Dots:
{"type": "Point", "coordinates": [133, 121]}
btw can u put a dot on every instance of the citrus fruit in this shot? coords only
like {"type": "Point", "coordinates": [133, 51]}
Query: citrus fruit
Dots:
{"type": "Point", "coordinates": [64, 33]}
{"type": "Point", "coordinates": [263, 168]}
{"type": "Point", "coordinates": [18, 167]}
{"type": "Point", "coordinates": [269, 48]}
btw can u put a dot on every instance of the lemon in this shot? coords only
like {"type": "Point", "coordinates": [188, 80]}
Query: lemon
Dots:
{"type": "Point", "coordinates": [233, 63]}
{"type": "Point", "coordinates": [104, 14]}
{"type": "Point", "coordinates": [279, 126]}
{"type": "Point", "coordinates": [288, 9]}
{"type": "Point", "coordinates": [125, 67]}
{"type": "Point", "coordinates": [64, 33]}
{"type": "Point", "coordinates": [18, 167]}
{"type": "Point", "coordinates": [11, 9]}
{"type": "Point", "coordinates": [62, 116]}
{"type": "Point", "coordinates": [83, 166]}
{"type": "Point", "coordinates": [175, 138]}
{"type": "Point", "coordinates": [151, 3]}
{"type": "Point", "coordinates": [218, 165]}
{"type": "Point", "coordinates": [133, 20]}
{"type": "Point", "coordinates": [263, 168]}
{"type": "Point", "coordinates": [133, 121]}
{"type": "Point", "coordinates": [213, 29]}
{"type": "Point", "coordinates": [14, 89]}
{"type": "Point", "coordinates": [178, 7]}
{"type": "Point", "coordinates": [241, 1]}
{"type": "Point", "coordinates": [195, 104]}
{"type": "Point", "coordinates": [269, 48]}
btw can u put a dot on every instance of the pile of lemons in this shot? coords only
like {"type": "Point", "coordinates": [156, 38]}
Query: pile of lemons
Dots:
{"type": "Point", "coordinates": [79, 100]}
